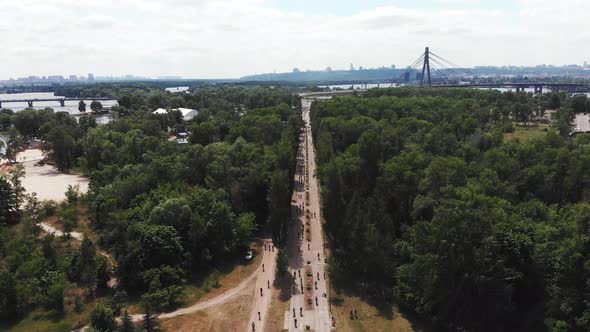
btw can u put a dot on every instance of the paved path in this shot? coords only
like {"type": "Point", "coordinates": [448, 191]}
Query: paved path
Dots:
{"type": "Point", "coordinates": [265, 280]}
{"type": "Point", "coordinates": [309, 301]}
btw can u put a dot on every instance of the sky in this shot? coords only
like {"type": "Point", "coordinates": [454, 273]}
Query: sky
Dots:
{"type": "Point", "coordinates": [233, 38]}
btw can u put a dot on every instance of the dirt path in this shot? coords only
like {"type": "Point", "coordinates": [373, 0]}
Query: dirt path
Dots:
{"type": "Point", "coordinates": [47, 228]}
{"type": "Point", "coordinates": [309, 304]}
{"type": "Point", "coordinates": [268, 260]}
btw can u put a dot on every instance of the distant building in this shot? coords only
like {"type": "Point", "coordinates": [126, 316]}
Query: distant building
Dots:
{"type": "Point", "coordinates": [187, 113]}
{"type": "Point", "coordinates": [90, 77]}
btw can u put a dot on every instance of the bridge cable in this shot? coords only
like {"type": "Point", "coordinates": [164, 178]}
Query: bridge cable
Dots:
{"type": "Point", "coordinates": [452, 64]}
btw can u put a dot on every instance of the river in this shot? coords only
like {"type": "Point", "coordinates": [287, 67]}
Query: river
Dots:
{"type": "Point", "coordinates": [71, 106]}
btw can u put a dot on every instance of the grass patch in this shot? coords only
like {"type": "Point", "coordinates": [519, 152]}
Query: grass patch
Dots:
{"type": "Point", "coordinates": [51, 321]}
{"type": "Point", "coordinates": [231, 316]}
{"type": "Point", "coordinates": [527, 133]}
{"type": "Point", "coordinates": [372, 314]}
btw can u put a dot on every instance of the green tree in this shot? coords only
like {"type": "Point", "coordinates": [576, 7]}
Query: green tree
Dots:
{"type": "Point", "coordinates": [278, 200]}
{"type": "Point", "coordinates": [96, 106]}
{"type": "Point", "coordinates": [82, 106]}
{"type": "Point", "coordinates": [12, 144]}
{"type": "Point", "coordinates": [204, 133]}
{"type": "Point", "coordinates": [62, 147]}
{"type": "Point", "coordinates": [103, 273]}
{"type": "Point", "coordinates": [126, 323]}
{"type": "Point", "coordinates": [16, 175]}
{"type": "Point", "coordinates": [8, 202]}
{"type": "Point", "coordinates": [102, 319]}
{"type": "Point", "coordinates": [151, 322]}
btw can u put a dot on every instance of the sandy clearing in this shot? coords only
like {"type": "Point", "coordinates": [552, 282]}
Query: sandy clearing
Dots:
{"type": "Point", "coordinates": [46, 180]}
{"type": "Point", "coordinates": [582, 122]}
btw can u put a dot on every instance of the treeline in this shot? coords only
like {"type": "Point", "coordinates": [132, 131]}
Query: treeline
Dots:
{"type": "Point", "coordinates": [428, 206]}
{"type": "Point", "coordinates": [43, 272]}
{"type": "Point", "coordinates": [166, 211]}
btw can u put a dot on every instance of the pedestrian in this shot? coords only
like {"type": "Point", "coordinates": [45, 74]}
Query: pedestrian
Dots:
{"type": "Point", "coordinates": [294, 313]}
{"type": "Point", "coordinates": [316, 300]}
{"type": "Point", "coordinates": [318, 276]}
{"type": "Point", "coordinates": [301, 311]}
{"type": "Point", "coordinates": [351, 315]}
{"type": "Point", "coordinates": [355, 315]}
{"type": "Point", "coordinates": [299, 273]}
{"type": "Point", "coordinates": [260, 291]}
{"type": "Point", "coordinates": [316, 285]}
{"type": "Point", "coordinates": [253, 327]}
{"type": "Point", "coordinates": [308, 247]}
{"type": "Point", "coordinates": [259, 315]}
{"type": "Point", "coordinates": [268, 284]}
{"type": "Point", "coordinates": [318, 256]}
{"type": "Point", "coordinates": [295, 322]}
{"type": "Point", "coordinates": [262, 267]}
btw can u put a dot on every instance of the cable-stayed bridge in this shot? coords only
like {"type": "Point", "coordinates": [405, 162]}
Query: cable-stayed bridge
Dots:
{"type": "Point", "coordinates": [433, 70]}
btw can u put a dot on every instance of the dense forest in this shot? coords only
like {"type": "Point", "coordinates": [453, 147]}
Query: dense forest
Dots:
{"type": "Point", "coordinates": [166, 212]}
{"type": "Point", "coordinates": [428, 206]}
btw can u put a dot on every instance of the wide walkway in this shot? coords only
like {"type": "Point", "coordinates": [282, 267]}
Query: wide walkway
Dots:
{"type": "Point", "coordinates": [264, 283]}
{"type": "Point", "coordinates": [309, 304]}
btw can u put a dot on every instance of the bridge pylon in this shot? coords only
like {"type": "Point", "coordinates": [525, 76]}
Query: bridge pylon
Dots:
{"type": "Point", "coordinates": [426, 68]}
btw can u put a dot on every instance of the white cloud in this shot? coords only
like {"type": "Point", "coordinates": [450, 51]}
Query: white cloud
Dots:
{"type": "Point", "coordinates": [231, 38]}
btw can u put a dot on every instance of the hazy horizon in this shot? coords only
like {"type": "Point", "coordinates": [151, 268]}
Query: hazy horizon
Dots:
{"type": "Point", "coordinates": [229, 38]}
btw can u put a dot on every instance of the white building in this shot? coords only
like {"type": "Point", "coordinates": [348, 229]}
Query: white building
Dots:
{"type": "Point", "coordinates": [187, 113]}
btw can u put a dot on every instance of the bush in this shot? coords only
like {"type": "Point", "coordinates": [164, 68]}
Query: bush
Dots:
{"type": "Point", "coordinates": [507, 127]}
{"type": "Point", "coordinates": [73, 193]}
{"type": "Point", "coordinates": [48, 208]}
{"type": "Point", "coordinates": [102, 319]}
{"type": "Point", "coordinates": [69, 217]}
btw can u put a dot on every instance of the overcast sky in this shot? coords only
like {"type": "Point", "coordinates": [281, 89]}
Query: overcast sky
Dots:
{"type": "Point", "coordinates": [232, 38]}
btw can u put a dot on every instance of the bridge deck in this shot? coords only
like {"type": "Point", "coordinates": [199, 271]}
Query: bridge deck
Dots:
{"type": "Point", "coordinates": [52, 99]}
